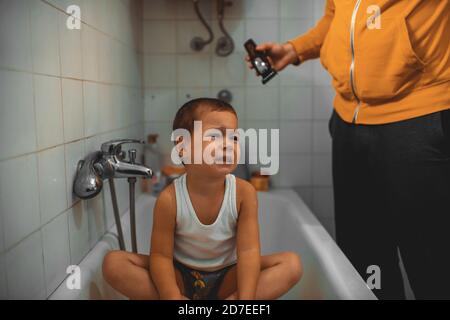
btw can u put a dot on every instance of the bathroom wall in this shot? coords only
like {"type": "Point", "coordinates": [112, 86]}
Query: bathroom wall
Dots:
{"type": "Point", "coordinates": [298, 101]}
{"type": "Point", "coordinates": [62, 93]}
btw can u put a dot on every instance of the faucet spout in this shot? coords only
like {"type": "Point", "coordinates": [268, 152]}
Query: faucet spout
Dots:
{"type": "Point", "coordinates": [123, 169]}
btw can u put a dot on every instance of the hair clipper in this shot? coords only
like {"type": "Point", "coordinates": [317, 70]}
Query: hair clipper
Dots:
{"type": "Point", "coordinates": [259, 61]}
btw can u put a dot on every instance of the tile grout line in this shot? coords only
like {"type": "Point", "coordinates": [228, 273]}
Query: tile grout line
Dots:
{"type": "Point", "coordinates": [69, 142]}
{"type": "Point", "coordinates": [37, 165]}
{"type": "Point", "coordinates": [64, 136]}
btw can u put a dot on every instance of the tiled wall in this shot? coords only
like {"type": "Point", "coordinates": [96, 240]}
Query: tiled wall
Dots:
{"type": "Point", "coordinates": [298, 100]}
{"type": "Point", "coordinates": [62, 93]}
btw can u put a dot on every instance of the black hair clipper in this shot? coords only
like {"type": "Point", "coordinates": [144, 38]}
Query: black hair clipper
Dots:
{"type": "Point", "coordinates": [259, 61]}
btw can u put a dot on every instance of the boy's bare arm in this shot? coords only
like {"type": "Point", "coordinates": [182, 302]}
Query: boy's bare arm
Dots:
{"type": "Point", "coordinates": [161, 253]}
{"type": "Point", "coordinates": [248, 246]}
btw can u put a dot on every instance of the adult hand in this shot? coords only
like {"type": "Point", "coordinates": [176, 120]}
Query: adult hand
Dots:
{"type": "Point", "coordinates": [279, 55]}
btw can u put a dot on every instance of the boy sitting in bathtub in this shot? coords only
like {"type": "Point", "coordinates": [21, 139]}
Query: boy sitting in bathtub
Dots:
{"type": "Point", "coordinates": [205, 238]}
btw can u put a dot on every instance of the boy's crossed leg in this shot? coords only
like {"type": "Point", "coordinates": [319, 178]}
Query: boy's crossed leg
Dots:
{"type": "Point", "coordinates": [129, 274]}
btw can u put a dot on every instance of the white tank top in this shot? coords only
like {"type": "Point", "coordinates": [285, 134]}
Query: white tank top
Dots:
{"type": "Point", "coordinates": [205, 247]}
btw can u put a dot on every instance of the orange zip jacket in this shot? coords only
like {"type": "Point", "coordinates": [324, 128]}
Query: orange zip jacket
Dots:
{"type": "Point", "coordinates": [389, 59]}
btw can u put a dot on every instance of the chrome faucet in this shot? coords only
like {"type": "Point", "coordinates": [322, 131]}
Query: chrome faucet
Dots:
{"type": "Point", "coordinates": [106, 164]}
{"type": "Point", "coordinates": [110, 163]}
{"type": "Point", "coordinates": [113, 165]}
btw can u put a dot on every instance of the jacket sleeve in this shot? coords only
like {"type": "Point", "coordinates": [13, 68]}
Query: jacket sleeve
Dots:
{"type": "Point", "coordinates": [308, 45]}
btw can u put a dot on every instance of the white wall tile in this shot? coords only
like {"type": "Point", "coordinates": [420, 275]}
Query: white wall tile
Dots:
{"type": "Point", "coordinates": [78, 232]}
{"type": "Point", "coordinates": [297, 8]}
{"type": "Point", "coordinates": [74, 152]}
{"type": "Point", "coordinates": [106, 54]}
{"type": "Point", "coordinates": [262, 30]}
{"type": "Point", "coordinates": [17, 122]}
{"type": "Point", "coordinates": [295, 136]}
{"type": "Point", "coordinates": [193, 70]}
{"type": "Point", "coordinates": [25, 269]}
{"type": "Point", "coordinates": [319, 9]}
{"type": "Point", "coordinates": [329, 225]}
{"type": "Point", "coordinates": [89, 39]}
{"type": "Point", "coordinates": [63, 4]}
{"type": "Point", "coordinates": [102, 15]}
{"type": "Point", "coordinates": [55, 239]}
{"type": "Point", "coordinates": [45, 44]}
{"type": "Point", "coordinates": [90, 12]}
{"type": "Point", "coordinates": [184, 94]}
{"type": "Point", "coordinates": [262, 103]}
{"type": "Point", "coordinates": [91, 109]}
{"type": "Point", "coordinates": [295, 170]}
{"type": "Point", "coordinates": [292, 28]}
{"type": "Point", "coordinates": [159, 9]}
{"type": "Point", "coordinates": [72, 96]}
{"type": "Point", "coordinates": [263, 124]}
{"type": "Point", "coordinates": [185, 9]}
{"type": "Point", "coordinates": [19, 181]}
{"type": "Point", "coordinates": [159, 37]}
{"type": "Point", "coordinates": [15, 34]}
{"type": "Point", "coordinates": [323, 102]}
{"type": "Point", "coordinates": [297, 75]}
{"type": "Point", "coordinates": [105, 107]}
{"type": "Point", "coordinates": [322, 175]}
{"type": "Point", "coordinates": [160, 70]}
{"type": "Point", "coordinates": [321, 75]}
{"type": "Point", "coordinates": [160, 104]}
{"type": "Point", "coordinates": [306, 194]}
{"type": "Point", "coordinates": [321, 137]}
{"type": "Point", "coordinates": [228, 71]}
{"type": "Point", "coordinates": [295, 102]}
{"type": "Point", "coordinates": [52, 183]}
{"type": "Point", "coordinates": [93, 143]}
{"type": "Point", "coordinates": [49, 116]}
{"type": "Point", "coordinates": [114, 118]}
{"type": "Point", "coordinates": [261, 8]}
{"type": "Point", "coordinates": [110, 17]}
{"type": "Point", "coordinates": [70, 49]}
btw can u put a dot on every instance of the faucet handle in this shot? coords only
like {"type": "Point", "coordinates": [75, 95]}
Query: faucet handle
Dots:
{"type": "Point", "coordinates": [113, 147]}
{"type": "Point", "coordinates": [132, 155]}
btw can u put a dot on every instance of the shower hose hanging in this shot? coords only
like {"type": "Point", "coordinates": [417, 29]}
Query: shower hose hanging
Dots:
{"type": "Point", "coordinates": [225, 44]}
{"type": "Point", "coordinates": [198, 43]}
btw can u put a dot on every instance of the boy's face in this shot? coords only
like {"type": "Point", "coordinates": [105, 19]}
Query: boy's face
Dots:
{"type": "Point", "coordinates": [219, 142]}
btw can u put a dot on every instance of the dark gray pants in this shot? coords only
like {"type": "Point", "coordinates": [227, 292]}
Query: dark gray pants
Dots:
{"type": "Point", "coordinates": [392, 189]}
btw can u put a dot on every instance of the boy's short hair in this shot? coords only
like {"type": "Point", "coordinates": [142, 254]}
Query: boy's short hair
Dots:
{"type": "Point", "coordinates": [190, 111]}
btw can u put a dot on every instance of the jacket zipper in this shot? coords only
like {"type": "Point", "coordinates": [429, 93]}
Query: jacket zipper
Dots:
{"type": "Point", "coordinates": [352, 66]}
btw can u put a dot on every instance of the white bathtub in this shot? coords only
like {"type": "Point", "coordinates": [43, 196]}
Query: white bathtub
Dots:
{"type": "Point", "coordinates": [286, 223]}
